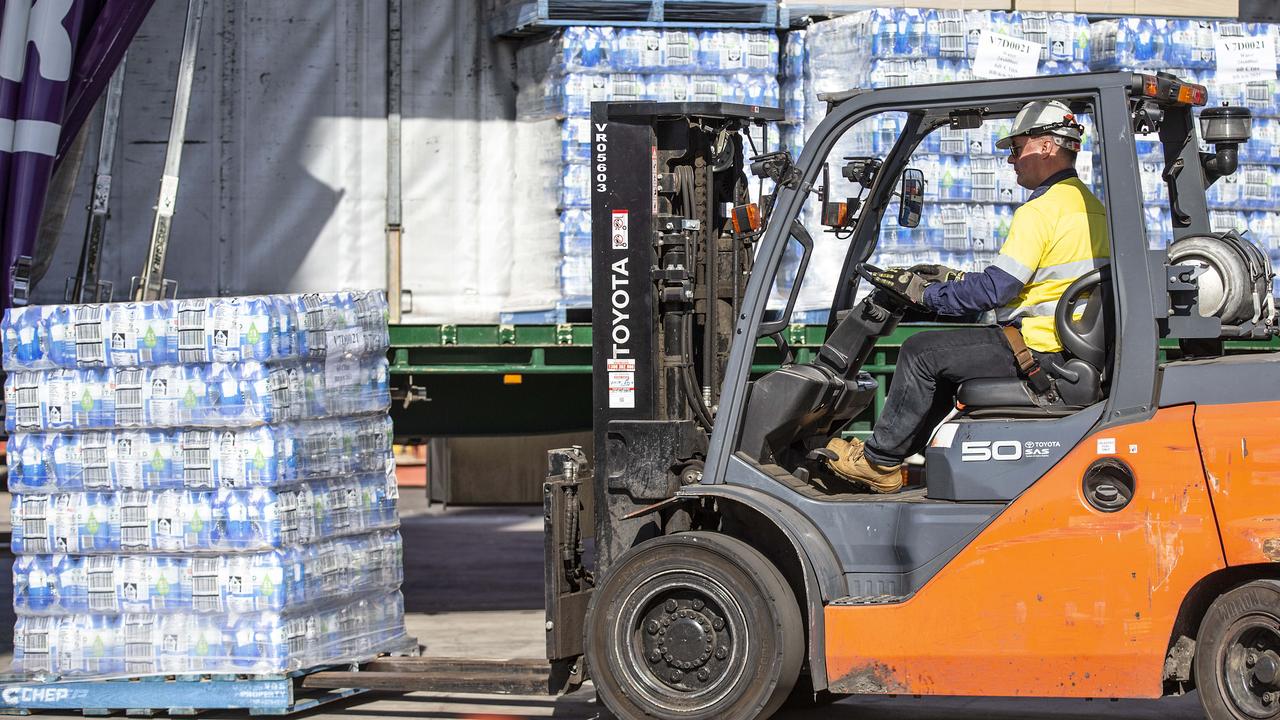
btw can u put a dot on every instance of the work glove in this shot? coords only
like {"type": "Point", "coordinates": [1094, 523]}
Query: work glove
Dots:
{"type": "Point", "coordinates": [936, 273]}
{"type": "Point", "coordinates": [902, 282]}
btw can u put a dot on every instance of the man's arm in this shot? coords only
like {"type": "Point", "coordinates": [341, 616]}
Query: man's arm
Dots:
{"type": "Point", "coordinates": [973, 293]}
{"type": "Point", "coordinates": [1001, 282]}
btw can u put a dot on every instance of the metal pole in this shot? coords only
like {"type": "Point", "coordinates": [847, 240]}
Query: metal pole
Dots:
{"type": "Point", "coordinates": [86, 287]}
{"type": "Point", "coordinates": [395, 229]}
{"type": "Point", "coordinates": [151, 286]}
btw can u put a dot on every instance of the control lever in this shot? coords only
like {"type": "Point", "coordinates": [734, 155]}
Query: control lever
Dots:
{"type": "Point", "coordinates": [1070, 376]}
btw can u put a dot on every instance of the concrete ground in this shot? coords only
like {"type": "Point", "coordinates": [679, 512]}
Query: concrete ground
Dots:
{"type": "Point", "coordinates": [473, 588]}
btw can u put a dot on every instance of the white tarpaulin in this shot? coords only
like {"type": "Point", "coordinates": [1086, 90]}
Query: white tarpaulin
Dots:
{"type": "Point", "coordinates": [284, 173]}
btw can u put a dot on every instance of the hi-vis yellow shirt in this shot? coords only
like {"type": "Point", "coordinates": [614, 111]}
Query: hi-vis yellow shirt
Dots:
{"type": "Point", "coordinates": [1053, 240]}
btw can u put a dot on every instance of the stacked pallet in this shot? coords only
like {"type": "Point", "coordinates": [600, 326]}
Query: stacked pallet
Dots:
{"type": "Point", "coordinates": [561, 75]}
{"type": "Point", "coordinates": [1237, 63]}
{"type": "Point", "coordinates": [201, 486]}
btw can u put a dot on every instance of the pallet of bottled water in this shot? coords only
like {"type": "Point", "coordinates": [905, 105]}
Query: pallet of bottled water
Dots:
{"type": "Point", "coordinates": [259, 643]}
{"type": "Point", "coordinates": [199, 458]}
{"type": "Point", "coordinates": [289, 579]}
{"type": "Point", "coordinates": [559, 76]}
{"type": "Point", "coordinates": [201, 521]}
{"type": "Point", "coordinates": [200, 487]}
{"type": "Point", "coordinates": [266, 329]}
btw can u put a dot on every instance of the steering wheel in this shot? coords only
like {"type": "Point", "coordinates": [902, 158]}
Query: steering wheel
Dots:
{"type": "Point", "coordinates": [1085, 336]}
{"type": "Point", "coordinates": [864, 270]}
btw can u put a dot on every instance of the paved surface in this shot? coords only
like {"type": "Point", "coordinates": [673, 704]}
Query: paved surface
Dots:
{"type": "Point", "coordinates": [473, 587]}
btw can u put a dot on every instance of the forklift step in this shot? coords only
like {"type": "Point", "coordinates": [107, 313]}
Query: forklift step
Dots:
{"type": "Point", "coordinates": [839, 492]}
{"type": "Point", "coordinates": [871, 599]}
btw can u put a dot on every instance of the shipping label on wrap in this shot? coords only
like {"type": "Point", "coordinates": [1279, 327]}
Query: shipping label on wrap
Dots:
{"type": "Point", "coordinates": [349, 341]}
{"type": "Point", "coordinates": [1245, 59]}
{"type": "Point", "coordinates": [1002, 56]}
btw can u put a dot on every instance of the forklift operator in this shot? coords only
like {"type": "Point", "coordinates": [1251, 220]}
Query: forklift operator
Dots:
{"type": "Point", "coordinates": [1059, 234]}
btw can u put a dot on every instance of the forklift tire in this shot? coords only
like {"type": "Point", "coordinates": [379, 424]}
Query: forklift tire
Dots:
{"type": "Point", "coordinates": [1237, 661]}
{"type": "Point", "coordinates": [694, 625]}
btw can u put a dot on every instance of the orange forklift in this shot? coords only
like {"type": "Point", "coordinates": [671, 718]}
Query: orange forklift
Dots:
{"type": "Point", "coordinates": [1117, 537]}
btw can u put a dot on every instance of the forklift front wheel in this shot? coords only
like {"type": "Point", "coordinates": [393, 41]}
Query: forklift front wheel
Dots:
{"type": "Point", "coordinates": [694, 625]}
{"type": "Point", "coordinates": [1237, 662]}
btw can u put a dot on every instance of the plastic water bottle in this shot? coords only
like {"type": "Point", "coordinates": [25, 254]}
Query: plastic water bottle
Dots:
{"type": "Point", "coordinates": [883, 28]}
{"type": "Point", "coordinates": [638, 49]}
{"type": "Point", "coordinates": [794, 54]}
{"type": "Point", "coordinates": [914, 41]}
{"type": "Point", "coordinates": [587, 48]}
{"type": "Point", "coordinates": [24, 339]}
{"type": "Point", "coordinates": [36, 586]}
{"type": "Point", "coordinates": [1148, 49]}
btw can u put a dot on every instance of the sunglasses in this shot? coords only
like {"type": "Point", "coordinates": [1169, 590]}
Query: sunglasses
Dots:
{"type": "Point", "coordinates": [1015, 150]}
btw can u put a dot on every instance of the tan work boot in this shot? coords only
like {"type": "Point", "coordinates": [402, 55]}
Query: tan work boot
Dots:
{"type": "Point", "coordinates": [851, 464]}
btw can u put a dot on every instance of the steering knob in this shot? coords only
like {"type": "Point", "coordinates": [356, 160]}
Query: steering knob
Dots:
{"type": "Point", "coordinates": [901, 284]}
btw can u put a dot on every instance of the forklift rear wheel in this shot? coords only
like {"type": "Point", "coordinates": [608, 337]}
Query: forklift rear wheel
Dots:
{"type": "Point", "coordinates": [1237, 663]}
{"type": "Point", "coordinates": [694, 625]}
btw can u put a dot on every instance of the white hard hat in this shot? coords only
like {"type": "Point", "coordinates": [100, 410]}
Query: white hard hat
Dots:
{"type": "Point", "coordinates": [1045, 117]}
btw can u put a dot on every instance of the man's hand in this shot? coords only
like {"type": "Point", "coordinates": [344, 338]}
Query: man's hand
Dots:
{"type": "Point", "coordinates": [901, 281]}
{"type": "Point", "coordinates": [936, 273]}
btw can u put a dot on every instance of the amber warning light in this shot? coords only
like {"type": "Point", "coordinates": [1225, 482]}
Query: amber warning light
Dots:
{"type": "Point", "coordinates": [745, 219]}
{"type": "Point", "coordinates": [1172, 90]}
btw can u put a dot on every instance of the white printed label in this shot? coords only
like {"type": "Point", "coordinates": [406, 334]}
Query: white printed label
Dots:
{"type": "Point", "coordinates": [344, 342]}
{"type": "Point", "coordinates": [1133, 449]}
{"type": "Point", "coordinates": [1243, 59]}
{"type": "Point", "coordinates": [1002, 56]}
{"type": "Point", "coordinates": [622, 382]}
{"type": "Point", "coordinates": [341, 371]}
{"type": "Point", "coordinates": [1106, 446]}
{"type": "Point", "coordinates": [620, 229]}
{"type": "Point", "coordinates": [226, 338]}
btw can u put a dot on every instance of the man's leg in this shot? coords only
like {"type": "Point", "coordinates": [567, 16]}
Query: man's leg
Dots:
{"type": "Point", "coordinates": [931, 366]}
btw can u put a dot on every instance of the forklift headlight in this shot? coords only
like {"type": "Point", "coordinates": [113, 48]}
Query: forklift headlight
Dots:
{"type": "Point", "coordinates": [1226, 124]}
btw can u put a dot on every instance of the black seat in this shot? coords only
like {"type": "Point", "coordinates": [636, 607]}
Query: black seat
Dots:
{"type": "Point", "coordinates": [1086, 342]}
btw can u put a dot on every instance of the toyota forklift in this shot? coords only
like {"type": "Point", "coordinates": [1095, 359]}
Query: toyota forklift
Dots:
{"type": "Point", "coordinates": [1117, 536]}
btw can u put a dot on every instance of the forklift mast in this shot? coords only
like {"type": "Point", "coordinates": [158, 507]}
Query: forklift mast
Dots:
{"type": "Point", "coordinates": [668, 275]}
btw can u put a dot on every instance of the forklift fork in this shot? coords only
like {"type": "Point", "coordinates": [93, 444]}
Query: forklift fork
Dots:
{"type": "Point", "coordinates": [568, 584]}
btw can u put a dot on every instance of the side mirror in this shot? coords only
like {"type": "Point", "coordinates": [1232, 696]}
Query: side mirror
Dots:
{"type": "Point", "coordinates": [912, 195]}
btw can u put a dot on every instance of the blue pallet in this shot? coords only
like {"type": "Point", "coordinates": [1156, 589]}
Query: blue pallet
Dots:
{"type": "Point", "coordinates": [810, 317]}
{"type": "Point", "coordinates": [531, 17]}
{"type": "Point", "coordinates": [183, 695]}
{"type": "Point", "coordinates": [550, 316]}
{"type": "Point", "coordinates": [571, 309]}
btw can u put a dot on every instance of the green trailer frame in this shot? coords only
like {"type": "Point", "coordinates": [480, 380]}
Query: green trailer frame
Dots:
{"type": "Point", "coordinates": [451, 380]}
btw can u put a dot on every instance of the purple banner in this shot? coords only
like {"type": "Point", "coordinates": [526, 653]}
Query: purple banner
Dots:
{"type": "Point", "coordinates": [50, 51]}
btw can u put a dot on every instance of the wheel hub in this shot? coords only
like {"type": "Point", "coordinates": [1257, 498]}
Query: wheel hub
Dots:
{"type": "Point", "coordinates": [686, 643]}
{"type": "Point", "coordinates": [1251, 668]}
{"type": "Point", "coordinates": [1265, 667]}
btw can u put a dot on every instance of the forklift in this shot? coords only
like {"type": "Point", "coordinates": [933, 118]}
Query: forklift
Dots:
{"type": "Point", "coordinates": [1116, 538]}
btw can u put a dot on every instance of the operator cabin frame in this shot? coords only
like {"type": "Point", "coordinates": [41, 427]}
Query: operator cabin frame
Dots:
{"type": "Point", "coordinates": [840, 542]}
{"type": "Point", "coordinates": [1133, 388]}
